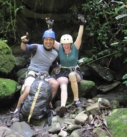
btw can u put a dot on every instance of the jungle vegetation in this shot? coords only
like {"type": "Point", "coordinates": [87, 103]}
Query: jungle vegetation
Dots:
{"type": "Point", "coordinates": [106, 27]}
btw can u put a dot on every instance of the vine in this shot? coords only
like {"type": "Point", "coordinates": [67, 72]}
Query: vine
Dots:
{"type": "Point", "coordinates": [8, 14]}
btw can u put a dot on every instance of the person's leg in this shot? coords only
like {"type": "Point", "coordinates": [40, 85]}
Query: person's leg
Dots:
{"type": "Point", "coordinates": [74, 79]}
{"type": "Point", "coordinates": [54, 84]}
{"type": "Point", "coordinates": [23, 96]}
{"type": "Point", "coordinates": [63, 86]}
{"type": "Point", "coordinates": [26, 90]}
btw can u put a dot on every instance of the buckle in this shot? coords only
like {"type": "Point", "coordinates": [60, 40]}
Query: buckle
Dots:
{"type": "Point", "coordinates": [72, 69]}
{"type": "Point", "coordinates": [42, 76]}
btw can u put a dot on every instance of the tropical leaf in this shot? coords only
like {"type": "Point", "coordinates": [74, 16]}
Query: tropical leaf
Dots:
{"type": "Point", "coordinates": [120, 16]}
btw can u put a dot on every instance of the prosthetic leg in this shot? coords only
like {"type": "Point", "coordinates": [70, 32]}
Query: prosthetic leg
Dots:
{"type": "Point", "coordinates": [74, 86]}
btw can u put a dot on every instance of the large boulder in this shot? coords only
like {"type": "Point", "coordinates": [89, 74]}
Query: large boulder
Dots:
{"type": "Point", "coordinates": [117, 122]}
{"type": "Point", "coordinates": [7, 60]}
{"type": "Point", "coordinates": [8, 89]}
{"type": "Point", "coordinates": [4, 131]}
{"type": "Point", "coordinates": [85, 87]}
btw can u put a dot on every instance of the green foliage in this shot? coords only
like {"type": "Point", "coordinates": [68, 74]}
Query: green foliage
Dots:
{"type": "Point", "coordinates": [124, 78]}
{"type": "Point", "coordinates": [8, 19]}
{"type": "Point", "coordinates": [106, 29]}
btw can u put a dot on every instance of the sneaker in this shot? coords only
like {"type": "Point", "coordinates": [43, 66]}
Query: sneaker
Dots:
{"type": "Point", "coordinates": [62, 111]}
{"type": "Point", "coordinates": [77, 103]}
{"type": "Point", "coordinates": [16, 117]}
{"type": "Point", "coordinates": [51, 106]}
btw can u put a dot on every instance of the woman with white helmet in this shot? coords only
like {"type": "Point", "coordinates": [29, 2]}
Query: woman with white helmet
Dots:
{"type": "Point", "coordinates": [68, 52]}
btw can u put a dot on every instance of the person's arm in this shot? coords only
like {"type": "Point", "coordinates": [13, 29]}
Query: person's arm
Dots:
{"type": "Point", "coordinates": [56, 45]}
{"type": "Point", "coordinates": [50, 26]}
{"type": "Point", "coordinates": [28, 47]}
{"type": "Point", "coordinates": [79, 37]}
{"type": "Point", "coordinates": [80, 32]}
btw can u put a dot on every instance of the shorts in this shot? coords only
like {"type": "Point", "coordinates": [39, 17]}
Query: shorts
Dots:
{"type": "Point", "coordinates": [31, 76]}
{"type": "Point", "coordinates": [65, 72]}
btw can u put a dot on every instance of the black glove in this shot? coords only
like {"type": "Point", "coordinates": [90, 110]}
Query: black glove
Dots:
{"type": "Point", "coordinates": [49, 23]}
{"type": "Point", "coordinates": [81, 19]}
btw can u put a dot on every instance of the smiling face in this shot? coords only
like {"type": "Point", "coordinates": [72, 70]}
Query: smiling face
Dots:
{"type": "Point", "coordinates": [48, 43]}
{"type": "Point", "coordinates": [67, 48]}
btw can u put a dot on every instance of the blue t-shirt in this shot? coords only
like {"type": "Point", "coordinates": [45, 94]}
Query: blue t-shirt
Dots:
{"type": "Point", "coordinates": [68, 60]}
{"type": "Point", "coordinates": [41, 60]}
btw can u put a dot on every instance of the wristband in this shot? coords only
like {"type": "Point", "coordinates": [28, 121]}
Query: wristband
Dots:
{"type": "Point", "coordinates": [24, 42]}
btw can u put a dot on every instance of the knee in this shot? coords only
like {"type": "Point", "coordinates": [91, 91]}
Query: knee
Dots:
{"type": "Point", "coordinates": [62, 80]}
{"type": "Point", "coordinates": [26, 90]}
{"type": "Point", "coordinates": [72, 77]}
{"type": "Point", "coordinates": [54, 83]}
{"type": "Point", "coordinates": [63, 86]}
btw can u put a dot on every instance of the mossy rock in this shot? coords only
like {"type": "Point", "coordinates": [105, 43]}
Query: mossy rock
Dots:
{"type": "Point", "coordinates": [22, 78]}
{"type": "Point", "coordinates": [7, 60]}
{"type": "Point", "coordinates": [40, 122]}
{"type": "Point", "coordinates": [21, 71]}
{"type": "Point", "coordinates": [7, 88]}
{"type": "Point", "coordinates": [117, 122]}
{"type": "Point", "coordinates": [84, 87]}
{"type": "Point", "coordinates": [20, 62]}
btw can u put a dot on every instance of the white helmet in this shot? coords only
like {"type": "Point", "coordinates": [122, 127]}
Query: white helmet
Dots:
{"type": "Point", "coordinates": [66, 39]}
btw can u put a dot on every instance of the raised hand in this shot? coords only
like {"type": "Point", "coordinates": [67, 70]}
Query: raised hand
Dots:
{"type": "Point", "coordinates": [25, 38]}
{"type": "Point", "coordinates": [49, 23]}
{"type": "Point", "coordinates": [81, 19]}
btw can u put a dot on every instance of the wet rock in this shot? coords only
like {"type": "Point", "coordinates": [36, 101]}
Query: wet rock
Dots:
{"type": "Point", "coordinates": [94, 109]}
{"type": "Point", "coordinates": [23, 128]}
{"type": "Point", "coordinates": [108, 87]}
{"type": "Point", "coordinates": [81, 118]}
{"type": "Point", "coordinates": [104, 102]}
{"type": "Point", "coordinates": [102, 73]}
{"type": "Point", "coordinates": [76, 133]}
{"type": "Point", "coordinates": [7, 132]}
{"type": "Point", "coordinates": [55, 128]}
{"type": "Point", "coordinates": [20, 62]}
{"type": "Point", "coordinates": [62, 133]}
{"type": "Point", "coordinates": [99, 132]}
{"type": "Point", "coordinates": [71, 127]}
{"type": "Point", "coordinates": [114, 104]}
{"type": "Point", "coordinates": [21, 71]}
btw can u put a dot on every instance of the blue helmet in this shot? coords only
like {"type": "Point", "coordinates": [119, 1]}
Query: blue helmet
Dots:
{"type": "Point", "coordinates": [49, 33]}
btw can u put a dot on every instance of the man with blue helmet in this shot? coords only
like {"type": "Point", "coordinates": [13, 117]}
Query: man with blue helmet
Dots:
{"type": "Point", "coordinates": [42, 58]}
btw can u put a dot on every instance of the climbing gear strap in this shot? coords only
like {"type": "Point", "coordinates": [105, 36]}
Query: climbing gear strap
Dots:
{"type": "Point", "coordinates": [34, 101]}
